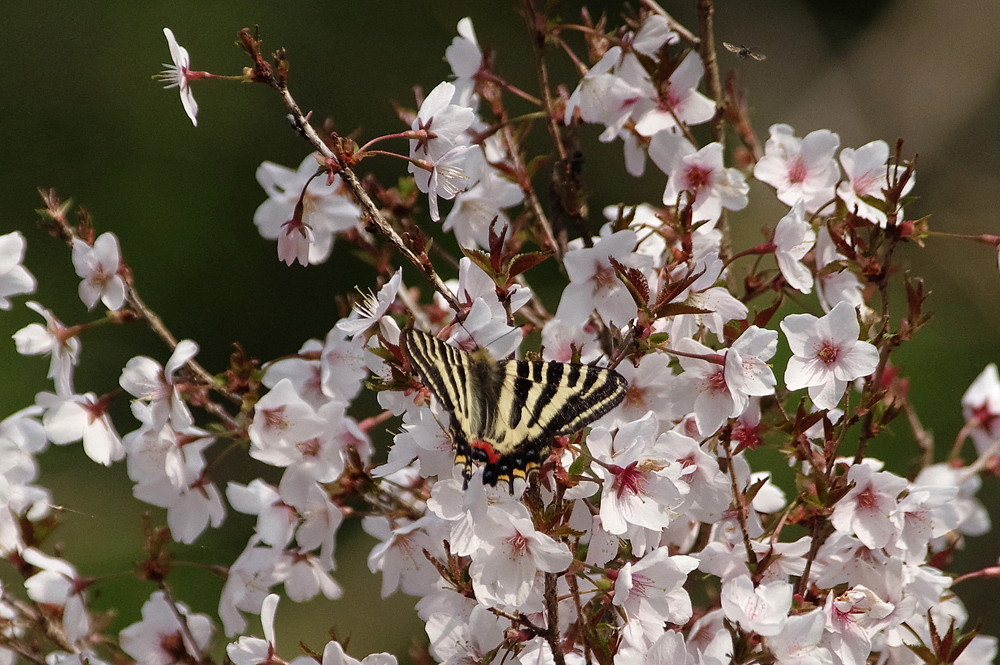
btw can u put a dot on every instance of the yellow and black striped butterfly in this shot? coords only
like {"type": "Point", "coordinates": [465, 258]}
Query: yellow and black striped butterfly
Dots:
{"type": "Point", "coordinates": [504, 413]}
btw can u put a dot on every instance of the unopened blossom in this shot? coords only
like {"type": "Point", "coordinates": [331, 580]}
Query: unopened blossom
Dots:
{"type": "Point", "coordinates": [793, 238]}
{"type": "Point", "coordinates": [98, 266]}
{"type": "Point", "coordinates": [827, 354]}
{"type": "Point", "coordinates": [868, 510]}
{"type": "Point", "coordinates": [177, 75]}
{"type": "Point", "coordinates": [55, 340]}
{"type": "Point", "coordinates": [803, 170]}
{"type": "Point", "coordinates": [981, 405]}
{"type": "Point", "coordinates": [14, 277]}
{"type": "Point", "coordinates": [869, 176]}
{"type": "Point", "coordinates": [161, 639]}
{"type": "Point", "coordinates": [465, 59]}
{"type": "Point", "coordinates": [712, 186]}
{"type": "Point", "coordinates": [303, 207]}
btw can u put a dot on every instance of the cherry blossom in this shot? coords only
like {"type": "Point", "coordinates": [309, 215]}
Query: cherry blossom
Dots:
{"type": "Point", "coordinates": [250, 578]}
{"type": "Point", "coordinates": [762, 609]}
{"type": "Point", "coordinates": [372, 307]}
{"type": "Point", "coordinates": [334, 654]}
{"type": "Point", "coordinates": [55, 340]}
{"type": "Point", "coordinates": [868, 176]}
{"type": "Point", "coordinates": [793, 238]}
{"type": "Point", "coordinates": [868, 510]}
{"type": "Point", "coordinates": [253, 650]}
{"type": "Point", "coordinates": [594, 286]}
{"type": "Point", "coordinates": [14, 277]}
{"type": "Point", "coordinates": [981, 406]}
{"type": "Point", "coordinates": [443, 150]}
{"type": "Point", "coordinates": [503, 571]}
{"type": "Point", "coordinates": [160, 639]}
{"type": "Point", "coordinates": [827, 354]}
{"type": "Point", "coordinates": [400, 556]}
{"type": "Point", "coordinates": [476, 207]}
{"type": "Point", "coordinates": [147, 380]}
{"type": "Point", "coordinates": [84, 417]}
{"type": "Point", "coordinates": [314, 208]}
{"type": "Point", "coordinates": [798, 643]}
{"type": "Point", "coordinates": [603, 97]}
{"type": "Point", "coordinates": [804, 170]}
{"type": "Point", "coordinates": [711, 185]}
{"type": "Point", "coordinates": [178, 75]}
{"type": "Point", "coordinates": [681, 99]}
{"type": "Point", "coordinates": [642, 487]}
{"type": "Point", "coordinates": [98, 266]}
{"type": "Point", "coordinates": [465, 58]}
{"type": "Point", "coordinates": [58, 583]}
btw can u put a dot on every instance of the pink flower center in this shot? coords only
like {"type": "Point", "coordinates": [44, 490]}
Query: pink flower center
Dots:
{"type": "Point", "coordinates": [275, 418]}
{"type": "Point", "coordinates": [716, 382]}
{"type": "Point", "coordinates": [518, 544]}
{"type": "Point", "coordinates": [985, 417]}
{"type": "Point", "coordinates": [698, 177]}
{"type": "Point", "coordinates": [309, 448]}
{"type": "Point", "coordinates": [797, 171]}
{"type": "Point", "coordinates": [635, 397]}
{"type": "Point", "coordinates": [604, 275]}
{"type": "Point", "coordinates": [828, 354]}
{"type": "Point", "coordinates": [867, 500]}
{"type": "Point", "coordinates": [628, 480]}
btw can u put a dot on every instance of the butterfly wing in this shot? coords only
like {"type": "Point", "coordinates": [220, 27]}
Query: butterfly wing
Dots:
{"type": "Point", "coordinates": [504, 414]}
{"type": "Point", "coordinates": [539, 400]}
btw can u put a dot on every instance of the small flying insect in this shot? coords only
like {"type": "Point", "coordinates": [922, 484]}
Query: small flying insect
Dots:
{"type": "Point", "coordinates": [744, 51]}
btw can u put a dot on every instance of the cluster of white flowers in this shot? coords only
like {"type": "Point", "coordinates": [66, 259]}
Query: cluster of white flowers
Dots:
{"type": "Point", "coordinates": [598, 558]}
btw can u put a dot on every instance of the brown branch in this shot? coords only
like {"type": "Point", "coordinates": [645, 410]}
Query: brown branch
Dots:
{"type": "Point", "coordinates": [264, 73]}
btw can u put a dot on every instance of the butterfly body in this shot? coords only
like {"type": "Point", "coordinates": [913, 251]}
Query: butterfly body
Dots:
{"type": "Point", "coordinates": [505, 413]}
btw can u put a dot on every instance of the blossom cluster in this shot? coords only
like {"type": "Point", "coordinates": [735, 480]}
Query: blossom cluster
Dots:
{"type": "Point", "coordinates": [651, 537]}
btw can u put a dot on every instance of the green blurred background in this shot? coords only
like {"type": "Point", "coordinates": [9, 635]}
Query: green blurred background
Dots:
{"type": "Point", "coordinates": [80, 113]}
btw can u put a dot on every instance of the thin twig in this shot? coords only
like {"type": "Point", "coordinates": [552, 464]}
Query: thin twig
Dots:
{"type": "Point", "coordinates": [348, 177]}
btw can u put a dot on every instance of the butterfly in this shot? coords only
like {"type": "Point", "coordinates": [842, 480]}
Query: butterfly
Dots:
{"type": "Point", "coordinates": [504, 413]}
